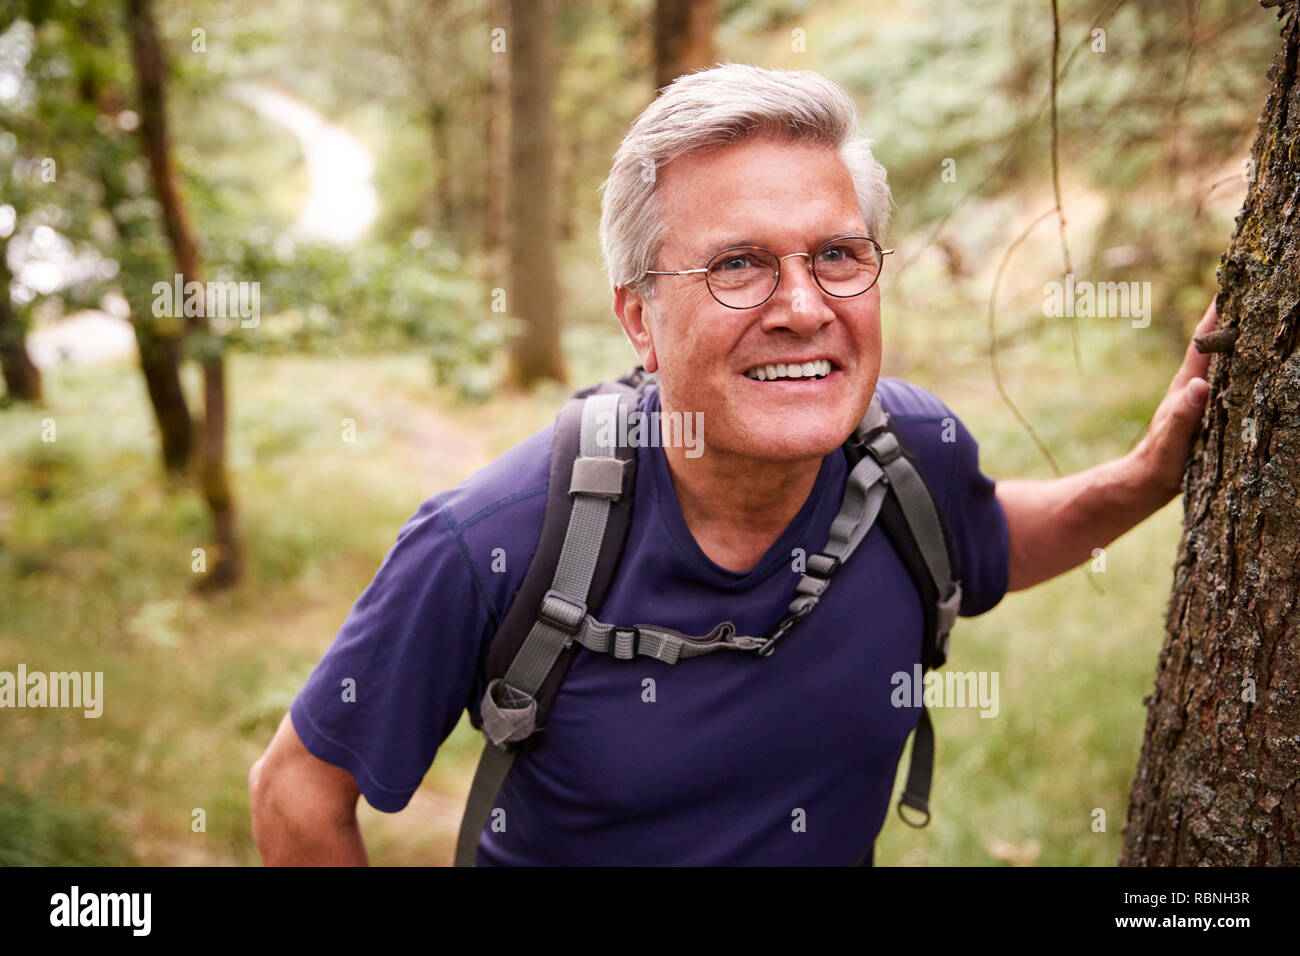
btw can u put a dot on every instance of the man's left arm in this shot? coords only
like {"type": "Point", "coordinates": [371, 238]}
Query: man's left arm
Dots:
{"type": "Point", "coordinates": [1054, 525]}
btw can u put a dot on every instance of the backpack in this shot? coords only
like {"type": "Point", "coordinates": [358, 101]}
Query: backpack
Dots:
{"type": "Point", "coordinates": [589, 498]}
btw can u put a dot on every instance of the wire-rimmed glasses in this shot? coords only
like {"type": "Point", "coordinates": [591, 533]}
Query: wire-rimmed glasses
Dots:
{"type": "Point", "coordinates": [744, 277]}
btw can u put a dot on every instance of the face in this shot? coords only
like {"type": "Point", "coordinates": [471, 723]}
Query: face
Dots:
{"type": "Point", "coordinates": [786, 198]}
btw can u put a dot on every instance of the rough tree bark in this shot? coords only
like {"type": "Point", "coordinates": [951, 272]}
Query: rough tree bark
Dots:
{"type": "Point", "coordinates": [147, 55]}
{"type": "Point", "coordinates": [530, 197]}
{"type": "Point", "coordinates": [1218, 781]}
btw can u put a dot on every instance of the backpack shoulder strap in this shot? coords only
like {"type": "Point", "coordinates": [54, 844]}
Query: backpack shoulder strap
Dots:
{"type": "Point", "coordinates": [588, 512]}
{"type": "Point", "coordinates": [914, 523]}
{"type": "Point", "coordinates": [526, 604]}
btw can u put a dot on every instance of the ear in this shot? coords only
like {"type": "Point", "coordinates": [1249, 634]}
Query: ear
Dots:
{"type": "Point", "coordinates": [634, 315]}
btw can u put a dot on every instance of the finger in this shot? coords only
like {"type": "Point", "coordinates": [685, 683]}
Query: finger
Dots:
{"type": "Point", "coordinates": [1195, 393]}
{"type": "Point", "coordinates": [1195, 363]}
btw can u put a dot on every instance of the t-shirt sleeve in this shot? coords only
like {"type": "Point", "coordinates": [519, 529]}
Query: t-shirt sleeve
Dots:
{"type": "Point", "coordinates": [949, 457]}
{"type": "Point", "coordinates": [403, 666]}
{"type": "Point", "coordinates": [978, 526]}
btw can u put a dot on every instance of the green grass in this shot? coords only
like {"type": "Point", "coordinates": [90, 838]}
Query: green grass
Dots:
{"type": "Point", "coordinates": [95, 558]}
{"type": "Point", "coordinates": [1073, 666]}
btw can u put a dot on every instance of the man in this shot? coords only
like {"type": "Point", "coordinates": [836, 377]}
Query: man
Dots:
{"type": "Point", "coordinates": [732, 758]}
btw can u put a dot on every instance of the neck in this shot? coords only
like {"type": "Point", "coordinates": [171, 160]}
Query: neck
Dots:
{"type": "Point", "coordinates": [736, 506]}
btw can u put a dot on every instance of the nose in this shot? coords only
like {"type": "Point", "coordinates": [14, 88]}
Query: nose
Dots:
{"type": "Point", "coordinates": [798, 303]}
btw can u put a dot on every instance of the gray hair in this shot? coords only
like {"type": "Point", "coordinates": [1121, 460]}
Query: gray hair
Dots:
{"type": "Point", "coordinates": [728, 103]}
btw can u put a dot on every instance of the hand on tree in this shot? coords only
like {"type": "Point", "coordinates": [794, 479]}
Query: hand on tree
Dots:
{"type": "Point", "coordinates": [1163, 452]}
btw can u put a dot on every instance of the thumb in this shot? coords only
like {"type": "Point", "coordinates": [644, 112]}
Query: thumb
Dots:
{"type": "Point", "coordinates": [1195, 392]}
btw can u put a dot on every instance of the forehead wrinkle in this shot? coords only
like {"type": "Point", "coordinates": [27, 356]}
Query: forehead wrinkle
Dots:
{"type": "Point", "coordinates": [680, 203]}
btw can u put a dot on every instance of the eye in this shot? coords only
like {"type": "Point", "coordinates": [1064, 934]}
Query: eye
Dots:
{"type": "Point", "coordinates": [736, 262]}
{"type": "Point", "coordinates": [836, 254]}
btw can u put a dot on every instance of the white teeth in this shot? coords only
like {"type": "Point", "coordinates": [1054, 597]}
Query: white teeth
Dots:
{"type": "Point", "coordinates": [768, 373]}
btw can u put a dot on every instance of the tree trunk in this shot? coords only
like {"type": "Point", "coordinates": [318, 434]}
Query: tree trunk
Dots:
{"type": "Point", "coordinates": [533, 288]}
{"type": "Point", "coordinates": [22, 377]}
{"type": "Point", "coordinates": [160, 348]}
{"type": "Point", "coordinates": [147, 54]}
{"type": "Point", "coordinates": [444, 197]}
{"type": "Point", "coordinates": [683, 37]}
{"type": "Point", "coordinates": [498, 148]}
{"type": "Point", "coordinates": [1218, 781]}
{"type": "Point", "coordinates": [160, 361]}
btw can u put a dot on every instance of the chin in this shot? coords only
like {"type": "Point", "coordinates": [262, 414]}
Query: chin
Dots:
{"type": "Point", "coordinates": [787, 440]}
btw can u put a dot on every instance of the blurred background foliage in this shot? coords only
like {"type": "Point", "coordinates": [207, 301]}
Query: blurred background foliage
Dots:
{"type": "Point", "coordinates": [389, 320]}
{"type": "Point", "coordinates": [1166, 110]}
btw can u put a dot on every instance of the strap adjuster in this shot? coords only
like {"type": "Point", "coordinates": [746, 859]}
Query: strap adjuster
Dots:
{"type": "Point", "coordinates": [884, 447]}
{"type": "Point", "coordinates": [562, 613]}
{"type": "Point", "coordinates": [613, 642]}
{"type": "Point", "coordinates": [821, 565]}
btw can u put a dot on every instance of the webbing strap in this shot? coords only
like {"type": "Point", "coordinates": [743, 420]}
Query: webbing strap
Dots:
{"type": "Point", "coordinates": [661, 643]}
{"type": "Point", "coordinates": [919, 512]}
{"type": "Point", "coordinates": [916, 792]}
{"type": "Point", "coordinates": [493, 766]}
{"type": "Point", "coordinates": [577, 562]}
{"type": "Point", "coordinates": [508, 704]}
{"type": "Point", "coordinates": [863, 495]}
{"type": "Point", "coordinates": [918, 509]}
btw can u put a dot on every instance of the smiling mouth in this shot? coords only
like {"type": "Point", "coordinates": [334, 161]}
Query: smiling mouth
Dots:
{"type": "Point", "coordinates": [792, 372]}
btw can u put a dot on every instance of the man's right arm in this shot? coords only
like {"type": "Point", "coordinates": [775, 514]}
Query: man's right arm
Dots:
{"type": "Point", "coordinates": [401, 670]}
{"type": "Point", "coordinates": [304, 809]}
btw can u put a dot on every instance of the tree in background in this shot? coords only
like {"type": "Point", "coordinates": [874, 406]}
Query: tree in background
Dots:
{"type": "Point", "coordinates": [1218, 780]}
{"type": "Point", "coordinates": [683, 32]}
{"type": "Point", "coordinates": [100, 81]}
{"type": "Point", "coordinates": [22, 377]}
{"type": "Point", "coordinates": [497, 148]}
{"type": "Point", "coordinates": [533, 287]}
{"type": "Point", "coordinates": [147, 56]}
{"type": "Point", "coordinates": [28, 179]}
{"type": "Point", "coordinates": [77, 120]}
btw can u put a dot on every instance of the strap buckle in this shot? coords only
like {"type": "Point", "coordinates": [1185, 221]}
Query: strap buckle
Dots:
{"type": "Point", "coordinates": [782, 627]}
{"type": "Point", "coordinates": [613, 642]}
{"type": "Point", "coordinates": [821, 565]}
{"type": "Point", "coordinates": [561, 612]}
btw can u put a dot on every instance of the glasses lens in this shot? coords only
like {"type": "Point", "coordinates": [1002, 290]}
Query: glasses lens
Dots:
{"type": "Point", "coordinates": [847, 267]}
{"type": "Point", "coordinates": [743, 278]}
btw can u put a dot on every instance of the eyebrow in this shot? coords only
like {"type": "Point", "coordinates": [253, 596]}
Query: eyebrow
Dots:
{"type": "Point", "coordinates": [711, 247]}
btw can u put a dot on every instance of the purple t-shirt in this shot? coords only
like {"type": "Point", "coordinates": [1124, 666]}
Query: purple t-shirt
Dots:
{"type": "Point", "coordinates": [784, 760]}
